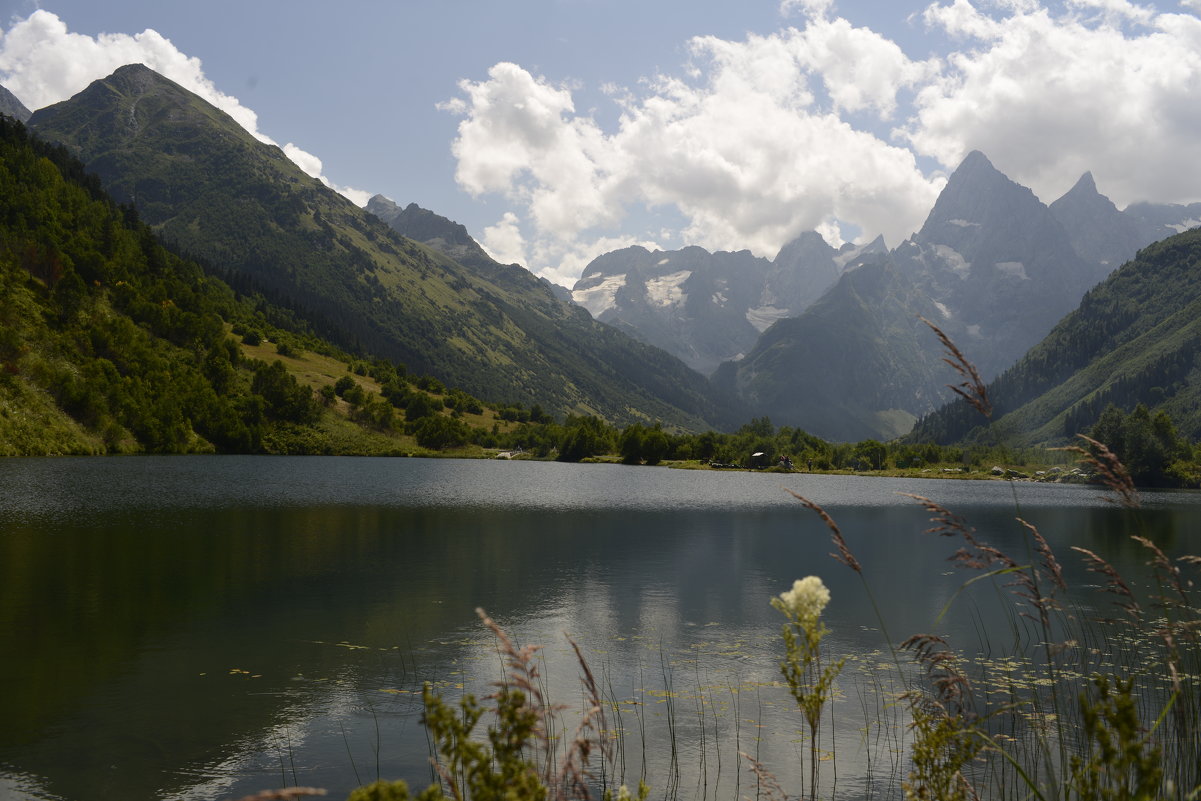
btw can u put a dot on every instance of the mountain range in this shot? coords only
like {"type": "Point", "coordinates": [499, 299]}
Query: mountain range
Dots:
{"type": "Point", "coordinates": [707, 308]}
{"type": "Point", "coordinates": [213, 191]}
{"type": "Point", "coordinates": [811, 343]}
{"type": "Point", "coordinates": [831, 340]}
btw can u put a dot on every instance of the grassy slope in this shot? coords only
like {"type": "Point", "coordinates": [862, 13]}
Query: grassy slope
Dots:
{"type": "Point", "coordinates": [347, 438]}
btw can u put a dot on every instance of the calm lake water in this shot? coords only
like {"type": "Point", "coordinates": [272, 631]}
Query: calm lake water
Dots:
{"type": "Point", "coordinates": [209, 627]}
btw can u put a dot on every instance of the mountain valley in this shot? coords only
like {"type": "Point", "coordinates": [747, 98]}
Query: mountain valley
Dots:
{"type": "Point", "coordinates": [206, 186]}
{"type": "Point", "coordinates": [828, 340]}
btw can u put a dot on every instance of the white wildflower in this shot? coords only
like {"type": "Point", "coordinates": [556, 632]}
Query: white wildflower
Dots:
{"type": "Point", "coordinates": [807, 598]}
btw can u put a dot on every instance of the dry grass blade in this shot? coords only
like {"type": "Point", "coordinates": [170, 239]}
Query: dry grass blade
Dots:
{"type": "Point", "coordinates": [844, 554]}
{"type": "Point", "coordinates": [1169, 639]}
{"type": "Point", "coordinates": [523, 675]}
{"type": "Point", "coordinates": [972, 388]}
{"type": "Point", "coordinates": [1109, 467]}
{"type": "Point", "coordinates": [946, 523]}
{"type": "Point", "coordinates": [1046, 554]}
{"type": "Point", "coordinates": [942, 668]}
{"type": "Point", "coordinates": [284, 794]}
{"type": "Point", "coordinates": [981, 556]}
{"type": "Point", "coordinates": [1114, 582]}
{"type": "Point", "coordinates": [573, 771]}
{"type": "Point", "coordinates": [767, 780]}
{"type": "Point", "coordinates": [522, 667]}
{"type": "Point", "coordinates": [1168, 572]}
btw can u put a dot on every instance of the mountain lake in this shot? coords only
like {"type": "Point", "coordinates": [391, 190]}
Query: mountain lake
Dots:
{"type": "Point", "coordinates": [211, 627]}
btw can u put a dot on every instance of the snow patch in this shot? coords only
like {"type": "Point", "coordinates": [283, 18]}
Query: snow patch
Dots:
{"type": "Point", "coordinates": [720, 298]}
{"type": "Point", "coordinates": [953, 260]}
{"type": "Point", "coordinates": [667, 291]}
{"type": "Point", "coordinates": [1013, 269]}
{"type": "Point", "coordinates": [662, 261]}
{"type": "Point", "coordinates": [963, 223]}
{"type": "Point", "coordinates": [763, 316]}
{"type": "Point", "coordinates": [600, 298]}
{"type": "Point", "coordinates": [1184, 225]}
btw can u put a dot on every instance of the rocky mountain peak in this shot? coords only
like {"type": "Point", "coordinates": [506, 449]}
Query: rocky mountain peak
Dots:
{"type": "Point", "coordinates": [1084, 198]}
{"type": "Point", "coordinates": [1085, 185]}
{"type": "Point", "coordinates": [440, 233]}
{"type": "Point", "coordinates": [810, 244]}
{"type": "Point", "coordinates": [1098, 231]}
{"type": "Point", "coordinates": [138, 79]}
{"type": "Point", "coordinates": [10, 106]}
{"type": "Point", "coordinates": [975, 161]}
{"type": "Point", "coordinates": [977, 193]}
{"type": "Point", "coordinates": [381, 206]}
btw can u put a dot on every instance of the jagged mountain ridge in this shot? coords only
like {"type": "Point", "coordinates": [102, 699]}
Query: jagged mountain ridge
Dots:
{"type": "Point", "coordinates": [1096, 229]}
{"type": "Point", "coordinates": [997, 262]}
{"type": "Point", "coordinates": [992, 266]}
{"type": "Point", "coordinates": [451, 239]}
{"type": "Point", "coordinates": [705, 307]}
{"type": "Point", "coordinates": [207, 186]}
{"type": "Point", "coordinates": [443, 235]}
{"type": "Point", "coordinates": [1161, 220]}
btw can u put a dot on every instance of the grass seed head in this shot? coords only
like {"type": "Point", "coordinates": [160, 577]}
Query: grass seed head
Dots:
{"type": "Point", "coordinates": [971, 388]}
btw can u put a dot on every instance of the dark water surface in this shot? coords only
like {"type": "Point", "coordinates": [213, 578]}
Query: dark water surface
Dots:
{"type": "Point", "coordinates": [209, 627]}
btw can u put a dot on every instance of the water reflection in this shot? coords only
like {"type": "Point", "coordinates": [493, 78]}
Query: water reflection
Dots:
{"type": "Point", "coordinates": [200, 628]}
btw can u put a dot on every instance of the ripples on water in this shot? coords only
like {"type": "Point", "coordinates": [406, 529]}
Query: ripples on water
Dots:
{"type": "Point", "coordinates": [69, 486]}
{"type": "Point", "coordinates": [202, 627]}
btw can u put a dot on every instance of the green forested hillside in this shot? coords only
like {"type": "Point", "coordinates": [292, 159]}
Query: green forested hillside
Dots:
{"type": "Point", "coordinates": [204, 184]}
{"type": "Point", "coordinates": [110, 342]}
{"type": "Point", "coordinates": [107, 341]}
{"type": "Point", "coordinates": [1135, 339]}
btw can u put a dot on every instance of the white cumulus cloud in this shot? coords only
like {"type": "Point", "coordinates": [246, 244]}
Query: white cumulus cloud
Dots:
{"type": "Point", "coordinates": [860, 68]}
{"type": "Point", "coordinates": [741, 146]}
{"type": "Point", "coordinates": [42, 62]}
{"type": "Point", "coordinates": [834, 127]}
{"type": "Point", "coordinates": [1108, 86]}
{"type": "Point", "coordinates": [521, 138]}
{"type": "Point", "coordinates": [504, 241]}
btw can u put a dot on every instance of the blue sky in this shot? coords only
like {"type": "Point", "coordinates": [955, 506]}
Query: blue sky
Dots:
{"type": "Point", "coordinates": [559, 129]}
